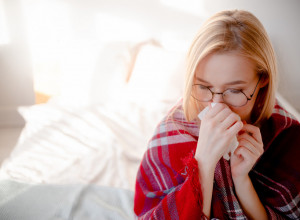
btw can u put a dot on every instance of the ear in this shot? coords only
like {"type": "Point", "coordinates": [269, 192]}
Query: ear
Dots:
{"type": "Point", "coordinates": [264, 80]}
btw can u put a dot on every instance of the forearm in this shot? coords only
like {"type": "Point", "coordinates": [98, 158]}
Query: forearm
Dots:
{"type": "Point", "coordinates": [206, 175]}
{"type": "Point", "coordinates": [249, 199]}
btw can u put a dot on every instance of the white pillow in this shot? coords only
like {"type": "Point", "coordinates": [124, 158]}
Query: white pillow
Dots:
{"type": "Point", "coordinates": [111, 71]}
{"type": "Point", "coordinates": [95, 78]}
{"type": "Point", "coordinates": [157, 76]}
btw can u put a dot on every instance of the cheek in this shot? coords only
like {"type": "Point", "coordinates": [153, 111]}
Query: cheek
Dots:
{"type": "Point", "coordinates": [244, 112]}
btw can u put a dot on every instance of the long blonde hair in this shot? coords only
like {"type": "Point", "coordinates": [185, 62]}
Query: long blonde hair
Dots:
{"type": "Point", "coordinates": [240, 31]}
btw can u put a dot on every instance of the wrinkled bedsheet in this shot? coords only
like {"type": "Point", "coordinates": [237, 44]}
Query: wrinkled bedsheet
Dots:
{"type": "Point", "coordinates": [21, 201]}
{"type": "Point", "coordinates": [101, 144]}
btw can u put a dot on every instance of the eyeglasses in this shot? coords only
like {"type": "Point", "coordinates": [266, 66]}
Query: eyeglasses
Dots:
{"type": "Point", "coordinates": [232, 97]}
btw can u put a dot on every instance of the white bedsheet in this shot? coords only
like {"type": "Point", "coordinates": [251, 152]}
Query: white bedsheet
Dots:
{"type": "Point", "coordinates": [101, 144]}
{"type": "Point", "coordinates": [20, 201]}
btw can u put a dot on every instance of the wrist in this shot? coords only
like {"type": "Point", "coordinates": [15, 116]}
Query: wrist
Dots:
{"type": "Point", "coordinates": [249, 198]}
{"type": "Point", "coordinates": [241, 181]}
{"type": "Point", "coordinates": [206, 166]}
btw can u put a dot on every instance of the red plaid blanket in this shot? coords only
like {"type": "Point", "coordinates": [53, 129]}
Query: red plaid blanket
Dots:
{"type": "Point", "coordinates": [167, 185]}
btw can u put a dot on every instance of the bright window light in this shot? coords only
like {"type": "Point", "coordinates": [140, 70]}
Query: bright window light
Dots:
{"type": "Point", "coordinates": [4, 39]}
{"type": "Point", "coordinates": [47, 29]}
{"type": "Point", "coordinates": [195, 7]}
{"type": "Point", "coordinates": [110, 28]}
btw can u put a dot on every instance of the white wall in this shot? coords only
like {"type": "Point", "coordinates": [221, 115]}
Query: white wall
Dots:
{"type": "Point", "coordinates": [15, 72]}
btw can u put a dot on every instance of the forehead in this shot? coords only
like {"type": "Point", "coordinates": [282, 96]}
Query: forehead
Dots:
{"type": "Point", "coordinates": [225, 66]}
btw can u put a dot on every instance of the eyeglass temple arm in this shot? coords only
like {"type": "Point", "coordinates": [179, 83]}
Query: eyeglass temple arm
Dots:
{"type": "Point", "coordinates": [255, 88]}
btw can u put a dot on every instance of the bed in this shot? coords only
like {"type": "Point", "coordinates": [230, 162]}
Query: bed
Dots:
{"type": "Point", "coordinates": [80, 162]}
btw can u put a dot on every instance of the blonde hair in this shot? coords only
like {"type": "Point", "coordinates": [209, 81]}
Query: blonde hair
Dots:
{"type": "Point", "coordinates": [239, 31]}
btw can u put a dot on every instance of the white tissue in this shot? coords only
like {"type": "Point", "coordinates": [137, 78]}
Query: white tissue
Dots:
{"type": "Point", "coordinates": [234, 143]}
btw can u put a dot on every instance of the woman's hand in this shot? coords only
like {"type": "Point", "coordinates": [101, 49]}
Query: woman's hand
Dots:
{"type": "Point", "coordinates": [248, 152]}
{"type": "Point", "coordinates": [245, 156]}
{"type": "Point", "coordinates": [218, 128]}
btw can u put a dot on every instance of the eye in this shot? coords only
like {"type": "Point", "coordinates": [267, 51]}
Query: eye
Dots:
{"type": "Point", "coordinates": [202, 87]}
{"type": "Point", "coordinates": [234, 91]}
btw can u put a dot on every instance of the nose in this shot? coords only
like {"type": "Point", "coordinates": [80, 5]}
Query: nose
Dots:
{"type": "Point", "coordinates": [218, 98]}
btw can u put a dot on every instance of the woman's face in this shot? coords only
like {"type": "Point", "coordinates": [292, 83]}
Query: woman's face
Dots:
{"type": "Point", "coordinates": [229, 70]}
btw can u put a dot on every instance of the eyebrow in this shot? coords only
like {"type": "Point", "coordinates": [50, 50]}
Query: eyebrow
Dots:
{"type": "Point", "coordinates": [228, 83]}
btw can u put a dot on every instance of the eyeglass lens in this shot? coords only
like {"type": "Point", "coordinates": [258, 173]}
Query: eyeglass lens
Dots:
{"type": "Point", "coordinates": [231, 96]}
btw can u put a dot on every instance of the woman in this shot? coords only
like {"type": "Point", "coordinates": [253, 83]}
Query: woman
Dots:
{"type": "Point", "coordinates": [184, 175]}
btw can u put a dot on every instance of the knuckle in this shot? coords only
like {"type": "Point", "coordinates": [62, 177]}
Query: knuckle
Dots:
{"type": "Point", "coordinates": [212, 124]}
{"type": "Point", "coordinates": [261, 150]}
{"type": "Point", "coordinates": [256, 130]}
{"type": "Point", "coordinates": [243, 136]}
{"type": "Point", "coordinates": [230, 118]}
{"type": "Point", "coordinates": [242, 149]}
{"type": "Point", "coordinates": [234, 116]}
{"type": "Point", "coordinates": [220, 132]}
{"type": "Point", "coordinates": [237, 116]}
{"type": "Point", "coordinates": [227, 110]}
{"type": "Point", "coordinates": [242, 142]}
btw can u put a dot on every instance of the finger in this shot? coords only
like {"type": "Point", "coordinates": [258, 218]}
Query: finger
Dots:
{"type": "Point", "coordinates": [251, 140]}
{"type": "Point", "coordinates": [245, 153]}
{"type": "Point", "coordinates": [213, 111]}
{"type": "Point", "coordinates": [230, 120]}
{"type": "Point", "coordinates": [234, 129]}
{"type": "Point", "coordinates": [248, 137]}
{"type": "Point", "coordinates": [223, 114]}
{"type": "Point", "coordinates": [245, 143]}
{"type": "Point", "coordinates": [254, 131]}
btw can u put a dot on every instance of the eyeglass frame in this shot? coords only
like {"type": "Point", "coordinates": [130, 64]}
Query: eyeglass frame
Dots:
{"type": "Point", "coordinates": [222, 93]}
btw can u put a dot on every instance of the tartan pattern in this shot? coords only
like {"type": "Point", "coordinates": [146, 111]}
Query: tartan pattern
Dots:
{"type": "Point", "coordinates": [167, 187]}
{"type": "Point", "coordinates": [289, 203]}
{"type": "Point", "coordinates": [224, 183]}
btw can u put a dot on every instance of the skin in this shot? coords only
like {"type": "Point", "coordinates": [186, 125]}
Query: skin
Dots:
{"type": "Point", "coordinates": [220, 71]}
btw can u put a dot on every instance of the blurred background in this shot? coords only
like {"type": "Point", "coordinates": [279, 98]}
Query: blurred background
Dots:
{"type": "Point", "coordinates": [62, 49]}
